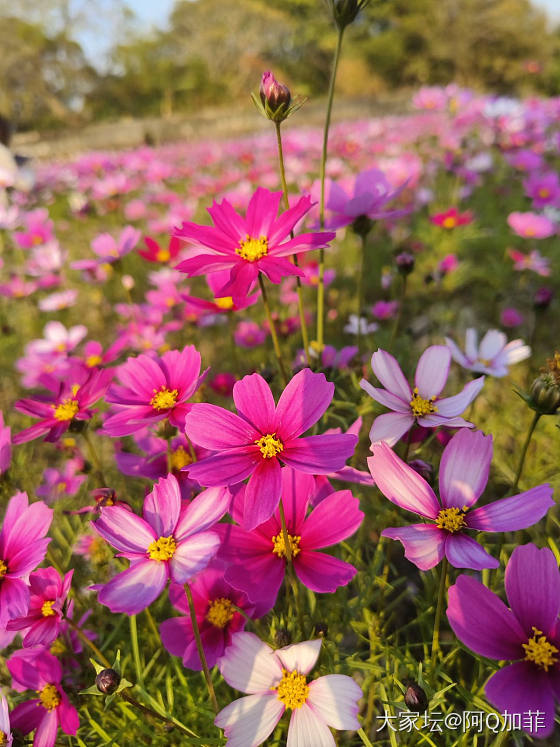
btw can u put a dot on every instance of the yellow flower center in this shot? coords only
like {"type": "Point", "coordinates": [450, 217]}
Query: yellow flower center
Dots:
{"type": "Point", "coordinates": [37, 239]}
{"type": "Point", "coordinates": [449, 222]}
{"type": "Point", "coordinates": [47, 609]}
{"type": "Point", "coordinates": [57, 648]}
{"type": "Point", "coordinates": [451, 519]}
{"type": "Point", "coordinates": [163, 255]}
{"type": "Point", "coordinates": [292, 690]}
{"type": "Point", "coordinates": [220, 612]}
{"type": "Point", "coordinates": [164, 398]}
{"type": "Point", "coordinates": [484, 361]}
{"type": "Point", "coordinates": [529, 231]}
{"type": "Point", "coordinates": [49, 697]}
{"type": "Point", "coordinates": [93, 360]}
{"type": "Point", "coordinates": [162, 549]}
{"type": "Point", "coordinates": [421, 406]}
{"type": "Point", "coordinates": [3, 739]}
{"type": "Point", "coordinates": [225, 303]}
{"type": "Point", "coordinates": [540, 651]}
{"type": "Point", "coordinates": [252, 249]}
{"type": "Point", "coordinates": [179, 458]}
{"type": "Point", "coordinates": [270, 445]}
{"type": "Point", "coordinates": [279, 546]}
{"type": "Point", "coordinates": [67, 409]}
{"type": "Point", "coordinates": [3, 569]}
{"type": "Point", "coordinates": [544, 192]}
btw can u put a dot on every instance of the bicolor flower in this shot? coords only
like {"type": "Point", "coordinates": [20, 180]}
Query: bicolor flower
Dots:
{"type": "Point", "coordinates": [276, 681]}
{"type": "Point", "coordinates": [249, 245]}
{"type": "Point", "coordinates": [463, 475]}
{"type": "Point", "coordinates": [422, 405]}
{"type": "Point", "coordinates": [526, 633]}
{"type": "Point", "coordinates": [169, 542]}
{"type": "Point", "coordinates": [253, 443]}
{"type": "Point", "coordinates": [264, 551]}
{"type": "Point", "coordinates": [452, 218]}
{"type": "Point", "coordinates": [23, 545]}
{"type": "Point", "coordinates": [494, 354]}
{"type": "Point", "coordinates": [153, 389]}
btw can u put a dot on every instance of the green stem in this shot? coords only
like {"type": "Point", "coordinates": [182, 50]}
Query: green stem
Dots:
{"type": "Point", "coordinates": [400, 310]}
{"type": "Point", "coordinates": [363, 737]}
{"type": "Point", "coordinates": [439, 610]}
{"type": "Point", "coordinates": [301, 308]}
{"type": "Point", "coordinates": [90, 644]}
{"type": "Point", "coordinates": [94, 457]}
{"type": "Point", "coordinates": [136, 649]}
{"type": "Point", "coordinates": [150, 712]}
{"type": "Point", "coordinates": [200, 649]}
{"type": "Point", "coordinates": [363, 240]}
{"type": "Point", "coordinates": [273, 333]}
{"type": "Point", "coordinates": [524, 450]}
{"type": "Point", "coordinates": [321, 285]}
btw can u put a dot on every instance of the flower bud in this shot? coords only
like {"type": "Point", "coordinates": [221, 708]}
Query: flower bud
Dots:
{"type": "Point", "coordinates": [542, 298]}
{"type": "Point", "coordinates": [321, 629]}
{"type": "Point", "coordinates": [405, 263]}
{"type": "Point", "coordinates": [545, 394]}
{"type": "Point", "coordinates": [362, 225]}
{"type": "Point", "coordinates": [282, 638]}
{"type": "Point", "coordinates": [345, 11]}
{"type": "Point", "coordinates": [415, 698]}
{"type": "Point", "coordinates": [273, 93]}
{"type": "Point", "coordinates": [107, 681]}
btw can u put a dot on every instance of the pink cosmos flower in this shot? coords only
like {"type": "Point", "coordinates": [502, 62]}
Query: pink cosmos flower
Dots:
{"type": "Point", "coordinates": [5, 732]}
{"type": "Point", "coordinates": [57, 339]}
{"type": "Point", "coordinates": [526, 633]}
{"type": "Point", "coordinates": [215, 603]}
{"type": "Point", "coordinates": [249, 334]}
{"type": "Point", "coordinates": [23, 546]}
{"type": "Point", "coordinates": [533, 261]}
{"type": "Point", "coordinates": [56, 301]}
{"type": "Point", "coordinates": [94, 355]}
{"type": "Point", "coordinates": [5, 445]}
{"type": "Point", "coordinates": [109, 250]}
{"type": "Point", "coordinates": [543, 189]}
{"type": "Point", "coordinates": [276, 681]}
{"type": "Point", "coordinates": [531, 225]}
{"type": "Point", "coordinates": [417, 406]}
{"type": "Point", "coordinates": [221, 304]}
{"type": "Point", "coordinates": [155, 253]}
{"type": "Point", "coordinates": [153, 389]}
{"type": "Point", "coordinates": [36, 669]}
{"type": "Point", "coordinates": [452, 218]}
{"type": "Point", "coordinates": [56, 411]}
{"type": "Point", "coordinates": [463, 475]}
{"type": "Point", "coordinates": [247, 246]}
{"type": "Point", "coordinates": [254, 442]}
{"type": "Point", "coordinates": [494, 354]}
{"type": "Point", "coordinates": [448, 264]}
{"type": "Point", "coordinates": [64, 482]}
{"type": "Point", "coordinates": [48, 595]}
{"type": "Point", "coordinates": [511, 317]}
{"type": "Point", "coordinates": [170, 541]}
{"type": "Point", "coordinates": [263, 550]}
{"type": "Point", "coordinates": [38, 229]}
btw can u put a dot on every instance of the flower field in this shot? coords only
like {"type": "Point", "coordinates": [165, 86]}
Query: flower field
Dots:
{"type": "Point", "coordinates": [279, 454]}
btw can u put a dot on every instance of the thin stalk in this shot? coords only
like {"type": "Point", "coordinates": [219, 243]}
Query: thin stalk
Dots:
{"type": "Point", "coordinates": [363, 737]}
{"type": "Point", "coordinates": [93, 455]}
{"type": "Point", "coordinates": [136, 649]}
{"type": "Point", "coordinates": [150, 712]}
{"type": "Point", "coordinates": [90, 644]}
{"type": "Point", "coordinates": [532, 427]}
{"type": "Point", "coordinates": [200, 649]}
{"type": "Point", "coordinates": [321, 285]}
{"type": "Point", "coordinates": [273, 333]}
{"type": "Point", "coordinates": [439, 610]}
{"type": "Point", "coordinates": [363, 241]}
{"type": "Point", "coordinates": [399, 312]}
{"type": "Point", "coordinates": [301, 308]}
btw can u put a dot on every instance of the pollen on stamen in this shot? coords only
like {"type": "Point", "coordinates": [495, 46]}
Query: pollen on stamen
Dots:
{"type": "Point", "coordinates": [269, 445]}
{"type": "Point", "coordinates": [47, 609]}
{"type": "Point", "coordinates": [164, 398]}
{"type": "Point", "coordinates": [162, 549]}
{"type": "Point", "coordinates": [220, 612]}
{"type": "Point", "coordinates": [279, 546]}
{"type": "Point", "coordinates": [292, 690]}
{"type": "Point", "coordinates": [452, 519]}
{"type": "Point", "coordinates": [66, 410]}
{"type": "Point", "coordinates": [252, 249]}
{"type": "Point", "coordinates": [421, 406]}
{"type": "Point", "coordinates": [540, 651]}
{"type": "Point", "coordinates": [49, 697]}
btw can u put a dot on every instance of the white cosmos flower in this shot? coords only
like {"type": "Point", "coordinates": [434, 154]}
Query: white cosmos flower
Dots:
{"type": "Point", "coordinates": [494, 354]}
{"type": "Point", "coordinates": [276, 681]}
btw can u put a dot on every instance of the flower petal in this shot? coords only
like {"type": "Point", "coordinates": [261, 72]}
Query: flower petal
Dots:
{"type": "Point", "coordinates": [162, 506]}
{"type": "Point", "coordinates": [449, 407]}
{"type": "Point", "coordinates": [247, 722]}
{"type": "Point", "coordinates": [215, 428]}
{"type": "Point", "coordinates": [300, 656]}
{"type": "Point", "coordinates": [307, 728]}
{"type": "Point", "coordinates": [390, 427]}
{"type": "Point", "coordinates": [532, 584]}
{"type": "Point", "coordinates": [432, 371]}
{"type": "Point", "coordinates": [249, 665]}
{"type": "Point", "coordinates": [254, 401]}
{"type": "Point", "coordinates": [463, 551]}
{"type": "Point", "coordinates": [337, 517]}
{"type": "Point", "coordinates": [136, 588]}
{"type": "Point", "coordinates": [125, 531]}
{"type": "Point", "coordinates": [389, 373]}
{"type": "Point", "coordinates": [203, 512]}
{"type": "Point", "coordinates": [510, 514]}
{"type": "Point", "coordinates": [262, 494]}
{"type": "Point", "coordinates": [424, 544]}
{"type": "Point", "coordinates": [321, 572]}
{"type": "Point", "coordinates": [301, 404]}
{"type": "Point", "coordinates": [335, 698]}
{"type": "Point", "coordinates": [385, 398]}
{"type": "Point", "coordinates": [464, 468]}
{"type": "Point", "coordinates": [226, 468]}
{"type": "Point", "coordinates": [193, 555]}
{"type": "Point", "coordinates": [319, 455]}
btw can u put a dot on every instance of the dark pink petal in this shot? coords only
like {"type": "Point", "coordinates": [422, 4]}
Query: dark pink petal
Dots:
{"type": "Point", "coordinates": [254, 401]}
{"type": "Point", "coordinates": [482, 621]}
{"type": "Point", "coordinates": [175, 634]}
{"type": "Point", "coordinates": [124, 530]}
{"type": "Point", "coordinates": [42, 632]}
{"type": "Point", "coordinates": [228, 221]}
{"type": "Point", "coordinates": [510, 514]}
{"type": "Point", "coordinates": [304, 242]}
{"type": "Point", "coordinates": [243, 276]}
{"type": "Point", "coordinates": [140, 375]}
{"type": "Point", "coordinates": [288, 220]}
{"type": "Point", "coordinates": [389, 373]}
{"type": "Point", "coordinates": [227, 468]}
{"type": "Point", "coordinates": [321, 572]}
{"type": "Point", "coordinates": [263, 583]}
{"type": "Point", "coordinates": [533, 587]}
{"type": "Point", "coordinates": [45, 736]}
{"type": "Point", "coordinates": [162, 506]}
{"type": "Point", "coordinates": [27, 716]}
{"type": "Point", "coordinates": [28, 527]}
{"type": "Point", "coordinates": [203, 263]}
{"type": "Point", "coordinates": [385, 398]}
{"type": "Point", "coordinates": [193, 555]}
{"type": "Point", "coordinates": [432, 371]}
{"type": "Point", "coordinates": [262, 493]}
{"type": "Point", "coordinates": [520, 688]}
{"type": "Point", "coordinates": [337, 517]}
{"type": "Point", "coordinates": [14, 599]}
{"type": "Point", "coordinates": [276, 268]}
{"type": "Point", "coordinates": [203, 512]}
{"type": "Point", "coordinates": [463, 551]}
{"type": "Point", "coordinates": [34, 431]}
{"type": "Point", "coordinates": [424, 544]}
{"type": "Point", "coordinates": [136, 588]}
{"type": "Point", "coordinates": [215, 428]}
{"type": "Point", "coordinates": [402, 485]}
{"type": "Point", "coordinates": [28, 558]}
{"type": "Point", "coordinates": [261, 212]}
{"type": "Point", "coordinates": [68, 716]}
{"type": "Point", "coordinates": [464, 468]}
{"type": "Point", "coordinates": [301, 404]}
{"type": "Point", "coordinates": [206, 236]}
{"type": "Point", "coordinates": [182, 370]}
{"type": "Point", "coordinates": [390, 427]}
{"type": "Point", "coordinates": [449, 407]}
{"type": "Point", "coordinates": [319, 455]}
{"type": "Point", "coordinates": [297, 489]}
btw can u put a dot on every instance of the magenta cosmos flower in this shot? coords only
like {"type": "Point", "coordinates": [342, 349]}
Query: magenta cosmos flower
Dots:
{"type": "Point", "coordinates": [254, 442]}
{"type": "Point", "coordinates": [36, 669]}
{"type": "Point", "coordinates": [153, 389]}
{"type": "Point", "coordinates": [58, 410]}
{"type": "Point", "coordinates": [263, 550]}
{"type": "Point", "coordinates": [48, 594]}
{"type": "Point", "coordinates": [170, 541]}
{"type": "Point", "coordinates": [418, 405]}
{"type": "Point", "coordinates": [247, 246]}
{"type": "Point", "coordinates": [463, 475]}
{"type": "Point", "coordinates": [23, 546]}
{"type": "Point", "coordinates": [217, 606]}
{"type": "Point", "coordinates": [527, 633]}
{"type": "Point", "coordinates": [452, 218]}
{"type": "Point", "coordinates": [531, 225]}
{"type": "Point", "coordinates": [276, 681]}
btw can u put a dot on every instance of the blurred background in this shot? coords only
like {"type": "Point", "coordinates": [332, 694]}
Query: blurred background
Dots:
{"type": "Point", "coordinates": [66, 64]}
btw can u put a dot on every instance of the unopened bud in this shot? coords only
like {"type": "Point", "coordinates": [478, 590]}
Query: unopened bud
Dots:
{"type": "Point", "coordinates": [282, 638]}
{"type": "Point", "coordinates": [415, 698]}
{"type": "Point", "coordinates": [274, 93]}
{"type": "Point", "coordinates": [362, 225]}
{"type": "Point", "coordinates": [321, 629]}
{"type": "Point", "coordinates": [542, 298]}
{"type": "Point", "coordinates": [545, 393]}
{"type": "Point", "coordinates": [405, 263]}
{"type": "Point", "coordinates": [107, 681]}
{"type": "Point", "coordinates": [345, 11]}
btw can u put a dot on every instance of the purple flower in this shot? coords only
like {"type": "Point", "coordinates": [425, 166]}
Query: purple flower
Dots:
{"type": "Point", "coordinates": [463, 475]}
{"type": "Point", "coordinates": [64, 482]}
{"type": "Point", "coordinates": [417, 406]}
{"type": "Point", "coordinates": [527, 633]}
